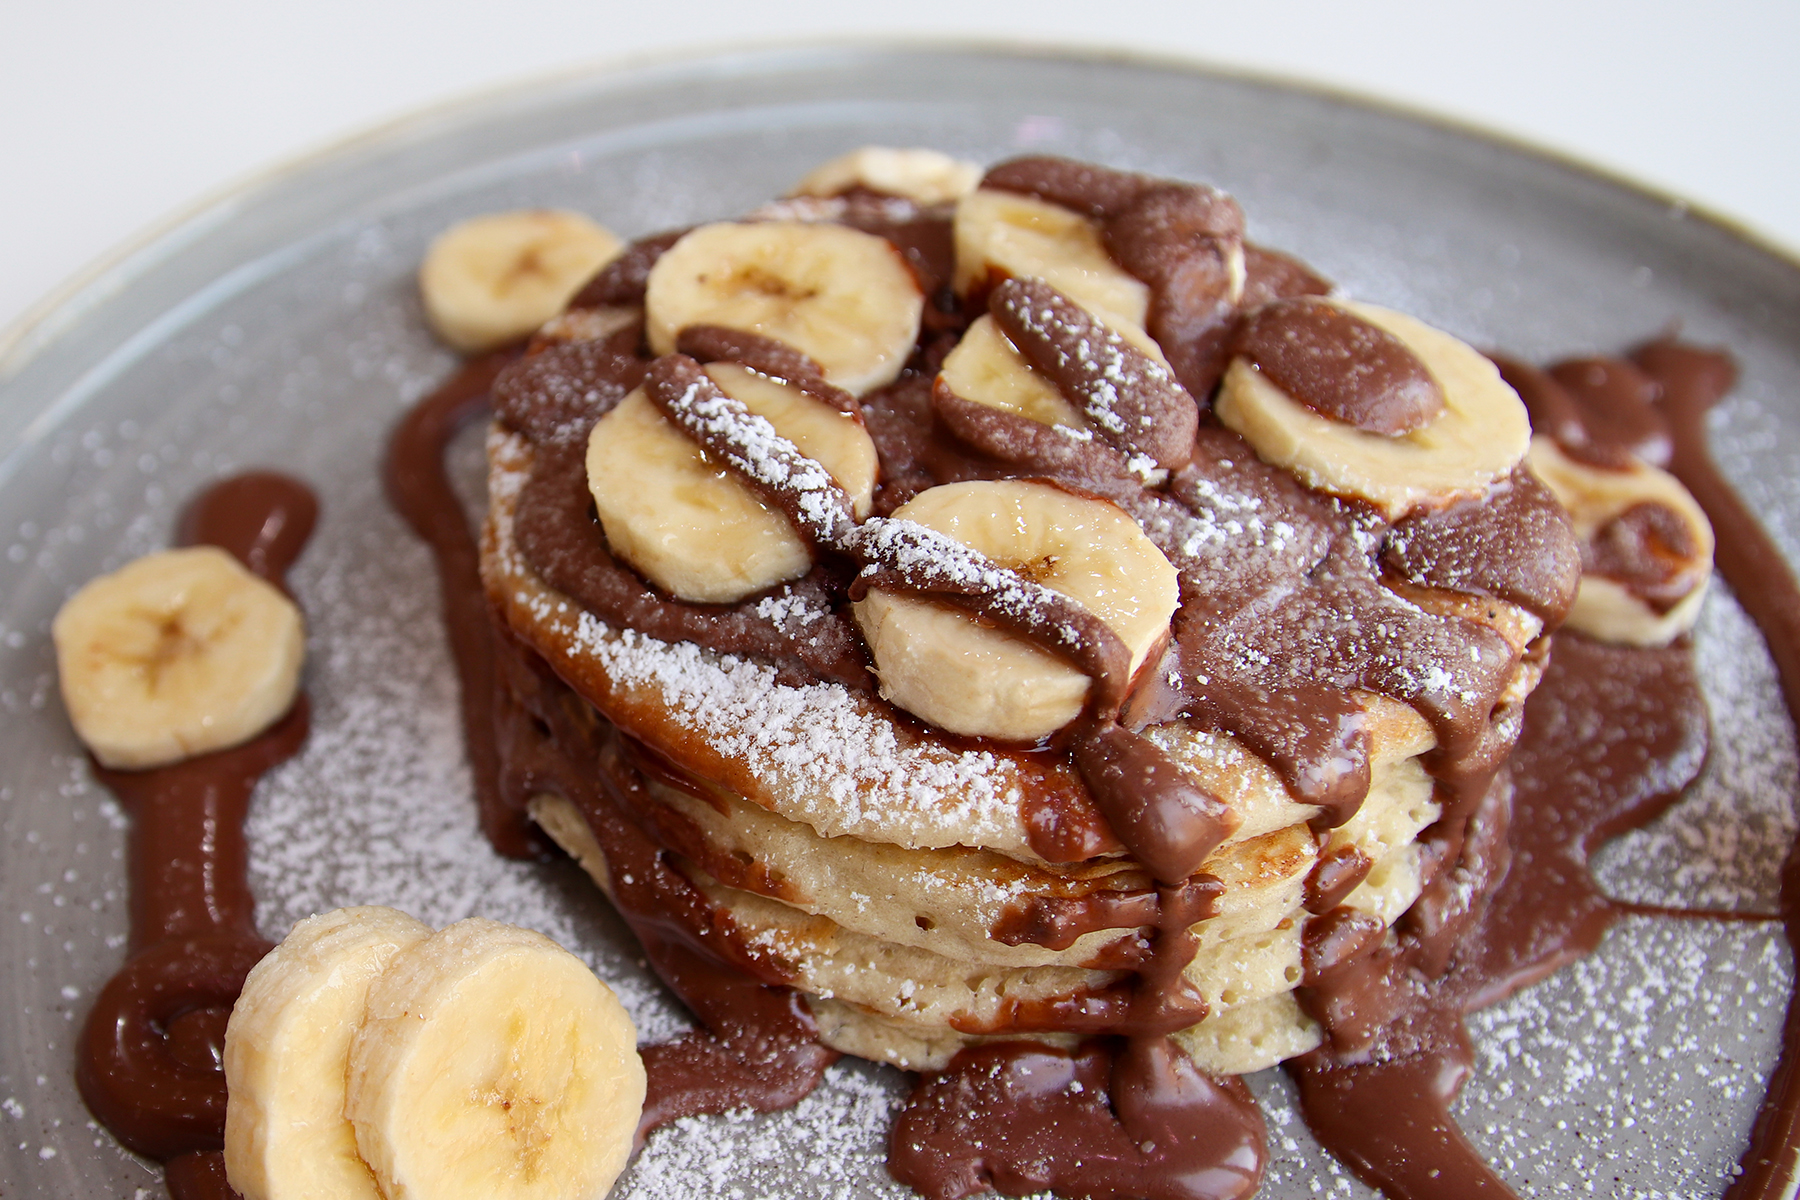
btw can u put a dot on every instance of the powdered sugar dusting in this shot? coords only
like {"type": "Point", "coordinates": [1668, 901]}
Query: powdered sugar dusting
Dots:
{"type": "Point", "coordinates": [934, 561]}
{"type": "Point", "coordinates": [751, 444]}
{"type": "Point", "coordinates": [818, 739]}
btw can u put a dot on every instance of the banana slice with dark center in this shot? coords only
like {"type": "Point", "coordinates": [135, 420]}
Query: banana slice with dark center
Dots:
{"type": "Point", "coordinates": [1480, 434]}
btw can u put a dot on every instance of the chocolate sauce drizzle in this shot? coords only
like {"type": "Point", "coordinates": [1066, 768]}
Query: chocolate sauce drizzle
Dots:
{"type": "Point", "coordinates": [150, 1060]}
{"type": "Point", "coordinates": [1341, 366]}
{"type": "Point", "coordinates": [1129, 396]}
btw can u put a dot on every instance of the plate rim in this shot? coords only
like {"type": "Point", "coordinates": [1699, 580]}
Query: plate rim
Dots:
{"type": "Point", "coordinates": [193, 222]}
{"type": "Point", "coordinates": [53, 315]}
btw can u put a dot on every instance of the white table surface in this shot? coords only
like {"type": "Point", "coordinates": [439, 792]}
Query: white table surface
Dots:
{"type": "Point", "coordinates": [115, 117]}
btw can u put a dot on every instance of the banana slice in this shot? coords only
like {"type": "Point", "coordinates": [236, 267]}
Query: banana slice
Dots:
{"type": "Point", "coordinates": [986, 368]}
{"type": "Point", "coordinates": [177, 654]}
{"type": "Point", "coordinates": [942, 665]}
{"type": "Point", "coordinates": [844, 297]}
{"type": "Point", "coordinates": [492, 1063]}
{"type": "Point", "coordinates": [1008, 235]}
{"type": "Point", "coordinates": [492, 280]}
{"type": "Point", "coordinates": [924, 176]}
{"type": "Point", "coordinates": [286, 1050]}
{"type": "Point", "coordinates": [1597, 497]}
{"type": "Point", "coordinates": [1480, 436]}
{"type": "Point", "coordinates": [685, 521]}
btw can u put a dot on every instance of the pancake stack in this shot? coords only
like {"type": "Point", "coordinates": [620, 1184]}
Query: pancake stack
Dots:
{"type": "Point", "coordinates": [1016, 606]}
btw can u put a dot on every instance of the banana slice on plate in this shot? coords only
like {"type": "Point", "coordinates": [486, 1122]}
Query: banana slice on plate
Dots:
{"type": "Point", "coordinates": [686, 522]}
{"type": "Point", "coordinates": [1637, 521]}
{"type": "Point", "coordinates": [844, 297]}
{"type": "Point", "coordinates": [1003, 235]}
{"type": "Point", "coordinates": [177, 654]}
{"type": "Point", "coordinates": [492, 1063]}
{"type": "Point", "coordinates": [494, 279]}
{"type": "Point", "coordinates": [1479, 436]}
{"type": "Point", "coordinates": [925, 177]}
{"type": "Point", "coordinates": [286, 1049]}
{"type": "Point", "coordinates": [943, 665]}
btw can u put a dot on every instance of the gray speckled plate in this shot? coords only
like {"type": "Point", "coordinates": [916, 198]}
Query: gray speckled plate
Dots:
{"type": "Point", "coordinates": [280, 327]}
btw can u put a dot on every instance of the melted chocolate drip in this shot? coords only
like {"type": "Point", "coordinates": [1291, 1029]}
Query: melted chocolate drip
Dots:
{"type": "Point", "coordinates": [1646, 549]}
{"type": "Point", "coordinates": [1270, 276]}
{"type": "Point", "coordinates": [149, 1062]}
{"type": "Point", "coordinates": [419, 489]}
{"type": "Point", "coordinates": [1600, 412]}
{"type": "Point", "coordinates": [716, 343]}
{"type": "Point", "coordinates": [1389, 1121]}
{"type": "Point", "coordinates": [1110, 1119]}
{"type": "Point", "coordinates": [771, 466]}
{"type": "Point", "coordinates": [1020, 442]}
{"type": "Point", "coordinates": [1097, 191]}
{"type": "Point", "coordinates": [1618, 406]}
{"type": "Point", "coordinates": [760, 1047]}
{"type": "Point", "coordinates": [904, 556]}
{"type": "Point", "coordinates": [1179, 238]}
{"type": "Point", "coordinates": [1127, 395]}
{"type": "Point", "coordinates": [1515, 544]}
{"type": "Point", "coordinates": [1167, 821]}
{"type": "Point", "coordinates": [621, 282]}
{"type": "Point", "coordinates": [1341, 366]}
{"type": "Point", "coordinates": [1612, 736]}
{"type": "Point", "coordinates": [1335, 875]}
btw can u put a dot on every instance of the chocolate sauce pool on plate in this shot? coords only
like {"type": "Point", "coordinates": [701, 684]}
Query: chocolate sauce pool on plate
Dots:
{"type": "Point", "coordinates": [150, 1060]}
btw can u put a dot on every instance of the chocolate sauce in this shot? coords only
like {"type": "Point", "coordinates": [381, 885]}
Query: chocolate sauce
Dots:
{"type": "Point", "coordinates": [553, 396]}
{"type": "Point", "coordinates": [555, 528]}
{"type": "Point", "coordinates": [1180, 238]}
{"type": "Point", "coordinates": [1341, 366]}
{"type": "Point", "coordinates": [1128, 396]}
{"type": "Point", "coordinates": [1516, 544]}
{"type": "Point", "coordinates": [1110, 1119]}
{"type": "Point", "coordinates": [771, 466]}
{"type": "Point", "coordinates": [716, 343]}
{"type": "Point", "coordinates": [1647, 550]}
{"type": "Point", "coordinates": [622, 280]}
{"type": "Point", "coordinates": [1168, 822]}
{"type": "Point", "coordinates": [1600, 412]}
{"type": "Point", "coordinates": [150, 1060]}
{"type": "Point", "coordinates": [760, 1047]}
{"type": "Point", "coordinates": [419, 488]}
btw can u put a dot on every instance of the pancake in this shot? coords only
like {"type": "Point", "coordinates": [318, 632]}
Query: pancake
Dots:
{"type": "Point", "coordinates": [1280, 767]}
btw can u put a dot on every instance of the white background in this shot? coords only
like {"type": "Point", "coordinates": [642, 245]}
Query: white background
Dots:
{"type": "Point", "coordinates": [117, 114]}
